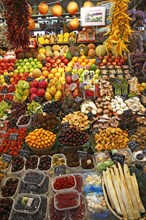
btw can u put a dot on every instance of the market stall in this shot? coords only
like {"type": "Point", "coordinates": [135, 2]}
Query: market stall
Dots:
{"type": "Point", "coordinates": [72, 110]}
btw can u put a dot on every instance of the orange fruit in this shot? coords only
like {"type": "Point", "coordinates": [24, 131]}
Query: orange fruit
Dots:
{"type": "Point", "coordinates": [51, 75]}
{"type": "Point", "coordinates": [11, 79]}
{"type": "Point", "coordinates": [45, 73]}
{"type": "Point", "coordinates": [83, 64]}
{"type": "Point", "coordinates": [93, 61]}
{"type": "Point", "coordinates": [83, 57]}
{"type": "Point", "coordinates": [54, 70]}
{"type": "Point", "coordinates": [80, 60]}
{"type": "Point", "coordinates": [75, 59]}
{"type": "Point", "coordinates": [86, 60]}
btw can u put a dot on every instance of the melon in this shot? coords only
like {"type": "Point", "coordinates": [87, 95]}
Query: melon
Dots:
{"type": "Point", "coordinates": [36, 73]}
{"type": "Point", "coordinates": [100, 50]}
{"type": "Point", "coordinates": [41, 57]}
{"type": "Point", "coordinates": [91, 53]}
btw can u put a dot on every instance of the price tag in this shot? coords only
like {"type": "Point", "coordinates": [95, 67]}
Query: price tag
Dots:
{"type": "Point", "coordinates": [24, 153]}
{"type": "Point", "coordinates": [6, 158]}
{"type": "Point", "coordinates": [60, 169]}
{"type": "Point", "coordinates": [13, 137]}
{"type": "Point", "coordinates": [82, 154]}
{"type": "Point", "coordinates": [134, 146]}
{"type": "Point", "coordinates": [5, 90]}
{"type": "Point", "coordinates": [37, 99]}
{"type": "Point", "coordinates": [116, 157]}
{"type": "Point", "coordinates": [29, 79]}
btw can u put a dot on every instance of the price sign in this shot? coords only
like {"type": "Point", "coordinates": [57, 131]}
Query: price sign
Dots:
{"type": "Point", "coordinates": [6, 158]}
{"type": "Point", "coordinates": [13, 137]}
{"type": "Point", "coordinates": [5, 90]}
{"type": "Point", "coordinates": [82, 154]}
{"type": "Point", "coordinates": [24, 153]}
{"type": "Point", "coordinates": [116, 157]}
{"type": "Point", "coordinates": [37, 99]}
{"type": "Point", "coordinates": [60, 169]}
{"type": "Point", "coordinates": [29, 79]}
{"type": "Point", "coordinates": [134, 146]}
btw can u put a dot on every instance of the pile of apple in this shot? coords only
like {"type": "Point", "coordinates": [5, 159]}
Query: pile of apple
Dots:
{"type": "Point", "coordinates": [110, 59]}
{"type": "Point", "coordinates": [7, 65]}
{"type": "Point", "coordinates": [55, 62]}
{"type": "Point", "coordinates": [37, 89]}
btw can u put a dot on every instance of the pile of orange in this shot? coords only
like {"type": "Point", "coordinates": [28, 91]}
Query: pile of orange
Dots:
{"type": "Point", "coordinates": [40, 138]}
{"type": "Point", "coordinates": [83, 60]}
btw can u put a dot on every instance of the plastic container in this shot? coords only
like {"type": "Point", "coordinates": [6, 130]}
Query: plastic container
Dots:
{"type": "Point", "coordinates": [6, 205]}
{"type": "Point", "coordinates": [46, 164]}
{"type": "Point", "coordinates": [27, 201]}
{"type": "Point", "coordinates": [67, 199]}
{"type": "Point", "coordinates": [28, 125]}
{"type": "Point", "coordinates": [4, 166]}
{"type": "Point", "coordinates": [3, 125]}
{"type": "Point", "coordinates": [53, 213]}
{"type": "Point", "coordinates": [63, 181]}
{"type": "Point", "coordinates": [79, 182]}
{"type": "Point", "coordinates": [88, 164]}
{"type": "Point", "coordinates": [58, 160]}
{"type": "Point", "coordinates": [36, 177]}
{"type": "Point", "coordinates": [34, 164]}
{"type": "Point", "coordinates": [80, 213]}
{"type": "Point", "coordinates": [35, 189]}
{"type": "Point", "coordinates": [139, 156]}
{"type": "Point", "coordinates": [17, 172]}
{"type": "Point", "coordinates": [13, 190]}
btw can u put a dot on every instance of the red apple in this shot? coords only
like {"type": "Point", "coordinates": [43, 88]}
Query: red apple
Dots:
{"type": "Point", "coordinates": [101, 64]}
{"type": "Point", "coordinates": [65, 61]}
{"type": "Point", "coordinates": [109, 54]}
{"type": "Point", "coordinates": [58, 61]}
{"type": "Point", "coordinates": [62, 58]}
{"type": "Point", "coordinates": [113, 57]}
{"type": "Point", "coordinates": [122, 60]}
{"type": "Point", "coordinates": [54, 65]}
{"type": "Point", "coordinates": [56, 57]}
{"type": "Point", "coordinates": [110, 60]}
{"type": "Point", "coordinates": [109, 63]}
{"type": "Point", "coordinates": [61, 65]}
{"type": "Point", "coordinates": [48, 59]}
{"type": "Point", "coordinates": [114, 63]}
{"type": "Point", "coordinates": [52, 61]}
{"type": "Point", "coordinates": [120, 63]}
{"type": "Point", "coordinates": [100, 57]}
{"type": "Point", "coordinates": [48, 65]}
{"type": "Point", "coordinates": [106, 57]}
{"type": "Point", "coordinates": [116, 60]}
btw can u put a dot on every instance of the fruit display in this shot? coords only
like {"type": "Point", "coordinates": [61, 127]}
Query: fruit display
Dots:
{"type": "Point", "coordinates": [72, 111]}
{"type": "Point", "coordinates": [21, 92]}
{"type": "Point", "coordinates": [73, 137]}
{"type": "Point", "coordinates": [40, 138]}
{"type": "Point", "coordinates": [77, 119]}
{"type": "Point", "coordinates": [114, 138]}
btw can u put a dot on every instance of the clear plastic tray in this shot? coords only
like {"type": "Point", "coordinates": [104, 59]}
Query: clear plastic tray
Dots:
{"type": "Point", "coordinates": [90, 169]}
{"type": "Point", "coordinates": [53, 213]}
{"type": "Point", "coordinates": [17, 173]}
{"type": "Point", "coordinates": [32, 157]}
{"type": "Point", "coordinates": [63, 177]}
{"type": "Point", "coordinates": [61, 156]}
{"type": "Point", "coordinates": [80, 213]}
{"type": "Point", "coordinates": [39, 163]}
{"type": "Point", "coordinates": [4, 183]}
{"type": "Point", "coordinates": [33, 181]}
{"type": "Point", "coordinates": [28, 125]}
{"type": "Point", "coordinates": [79, 182]}
{"type": "Point", "coordinates": [65, 197]}
{"type": "Point", "coordinates": [28, 198]}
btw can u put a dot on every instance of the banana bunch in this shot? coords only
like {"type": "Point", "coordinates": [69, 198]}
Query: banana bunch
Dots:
{"type": "Point", "coordinates": [120, 29]}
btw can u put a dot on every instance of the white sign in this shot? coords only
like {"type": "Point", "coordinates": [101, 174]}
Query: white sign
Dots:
{"type": "Point", "coordinates": [94, 16]}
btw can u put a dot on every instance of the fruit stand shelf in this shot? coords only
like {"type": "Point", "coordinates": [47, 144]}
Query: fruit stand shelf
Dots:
{"type": "Point", "coordinates": [53, 17]}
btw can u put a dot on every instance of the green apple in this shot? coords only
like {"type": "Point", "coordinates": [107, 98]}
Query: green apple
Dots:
{"type": "Point", "coordinates": [16, 71]}
{"type": "Point", "coordinates": [96, 77]}
{"type": "Point", "coordinates": [26, 71]}
{"type": "Point", "coordinates": [32, 63]}
{"type": "Point", "coordinates": [20, 60]}
{"type": "Point", "coordinates": [30, 59]}
{"type": "Point", "coordinates": [22, 71]}
{"type": "Point", "coordinates": [80, 71]}
{"type": "Point", "coordinates": [25, 67]}
{"type": "Point", "coordinates": [97, 71]}
{"type": "Point", "coordinates": [19, 67]}
{"type": "Point", "coordinates": [80, 79]}
{"type": "Point", "coordinates": [25, 60]}
{"type": "Point", "coordinates": [31, 70]}
{"type": "Point", "coordinates": [39, 66]}
{"type": "Point", "coordinates": [22, 64]}
{"type": "Point", "coordinates": [35, 60]}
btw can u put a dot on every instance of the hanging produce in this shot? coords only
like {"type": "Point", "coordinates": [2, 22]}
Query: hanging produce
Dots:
{"type": "Point", "coordinates": [43, 8]}
{"type": "Point", "coordinates": [120, 29]}
{"type": "Point", "coordinates": [30, 9]}
{"type": "Point", "coordinates": [74, 23]}
{"type": "Point", "coordinates": [88, 4]}
{"type": "Point", "coordinates": [16, 15]}
{"type": "Point", "coordinates": [72, 8]}
{"type": "Point", "coordinates": [57, 10]}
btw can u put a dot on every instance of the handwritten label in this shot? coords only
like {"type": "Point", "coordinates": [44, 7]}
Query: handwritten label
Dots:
{"type": "Point", "coordinates": [82, 154]}
{"type": "Point", "coordinates": [6, 158]}
{"type": "Point", "coordinates": [24, 153]}
{"type": "Point", "coordinates": [13, 137]}
{"type": "Point", "coordinates": [116, 157]}
{"type": "Point", "coordinates": [29, 79]}
{"type": "Point", "coordinates": [60, 169]}
{"type": "Point", "coordinates": [133, 145]}
{"type": "Point", "coordinates": [32, 187]}
{"type": "Point", "coordinates": [5, 90]}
